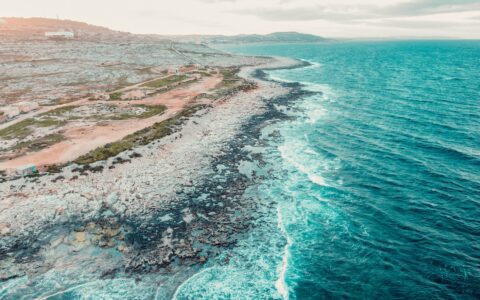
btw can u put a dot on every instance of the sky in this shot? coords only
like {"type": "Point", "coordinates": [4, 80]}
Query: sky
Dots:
{"type": "Point", "coordinates": [328, 18]}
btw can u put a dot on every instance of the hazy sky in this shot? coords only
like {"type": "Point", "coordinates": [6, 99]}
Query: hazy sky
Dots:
{"type": "Point", "coordinates": [330, 18]}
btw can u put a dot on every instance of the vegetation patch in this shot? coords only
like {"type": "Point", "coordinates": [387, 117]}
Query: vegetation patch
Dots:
{"type": "Point", "coordinates": [59, 111]}
{"type": "Point", "coordinates": [163, 82]}
{"type": "Point", "coordinates": [35, 144]}
{"type": "Point", "coordinates": [116, 96]}
{"type": "Point", "coordinates": [19, 130]}
{"type": "Point", "coordinates": [231, 84]}
{"type": "Point", "coordinates": [115, 113]}
{"type": "Point", "coordinates": [54, 169]}
{"type": "Point", "coordinates": [176, 86]}
{"type": "Point", "coordinates": [203, 73]}
{"type": "Point", "coordinates": [141, 137]}
{"type": "Point", "coordinates": [23, 128]}
{"type": "Point", "coordinates": [150, 111]}
{"type": "Point", "coordinates": [49, 122]}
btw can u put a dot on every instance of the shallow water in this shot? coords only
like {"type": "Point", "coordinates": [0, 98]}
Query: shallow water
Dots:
{"type": "Point", "coordinates": [376, 179]}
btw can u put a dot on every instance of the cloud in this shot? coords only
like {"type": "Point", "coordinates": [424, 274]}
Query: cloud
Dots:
{"type": "Point", "coordinates": [288, 10]}
{"type": "Point", "coordinates": [402, 23]}
{"type": "Point", "coordinates": [308, 13]}
{"type": "Point", "coordinates": [330, 18]}
{"type": "Point", "coordinates": [426, 7]}
{"type": "Point", "coordinates": [218, 1]}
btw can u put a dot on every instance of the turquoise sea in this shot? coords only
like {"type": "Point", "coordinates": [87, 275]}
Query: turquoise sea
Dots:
{"type": "Point", "coordinates": [373, 172]}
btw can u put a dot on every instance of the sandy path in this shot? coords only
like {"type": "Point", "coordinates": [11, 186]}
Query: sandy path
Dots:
{"type": "Point", "coordinates": [171, 99]}
{"type": "Point", "coordinates": [82, 101]}
{"type": "Point", "coordinates": [82, 138]}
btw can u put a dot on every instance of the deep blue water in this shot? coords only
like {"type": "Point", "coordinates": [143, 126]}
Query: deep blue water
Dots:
{"type": "Point", "coordinates": [377, 177]}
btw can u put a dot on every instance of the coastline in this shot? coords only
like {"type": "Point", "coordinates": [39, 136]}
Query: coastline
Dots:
{"type": "Point", "coordinates": [278, 166]}
{"type": "Point", "coordinates": [159, 185]}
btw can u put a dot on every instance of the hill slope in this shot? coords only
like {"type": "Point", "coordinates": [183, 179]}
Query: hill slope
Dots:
{"type": "Point", "coordinates": [35, 28]}
{"type": "Point", "coordinates": [276, 37]}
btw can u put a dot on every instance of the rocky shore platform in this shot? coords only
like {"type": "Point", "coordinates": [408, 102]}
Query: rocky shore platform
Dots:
{"type": "Point", "coordinates": [145, 220]}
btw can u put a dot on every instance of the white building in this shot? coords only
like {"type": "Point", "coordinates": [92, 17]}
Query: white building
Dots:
{"type": "Point", "coordinates": [60, 34]}
{"type": "Point", "coordinates": [27, 170]}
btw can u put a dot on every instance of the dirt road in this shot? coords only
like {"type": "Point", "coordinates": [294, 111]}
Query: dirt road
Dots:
{"type": "Point", "coordinates": [83, 137]}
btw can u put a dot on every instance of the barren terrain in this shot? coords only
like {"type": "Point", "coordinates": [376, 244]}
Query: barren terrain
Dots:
{"type": "Point", "coordinates": [60, 100]}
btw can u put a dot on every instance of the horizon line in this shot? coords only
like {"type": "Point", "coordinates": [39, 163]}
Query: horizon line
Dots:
{"type": "Point", "coordinates": [328, 38]}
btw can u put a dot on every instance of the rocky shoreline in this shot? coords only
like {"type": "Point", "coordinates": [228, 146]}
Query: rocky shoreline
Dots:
{"type": "Point", "coordinates": [170, 204]}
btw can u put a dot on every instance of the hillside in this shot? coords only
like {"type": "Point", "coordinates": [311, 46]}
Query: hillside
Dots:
{"type": "Point", "coordinates": [277, 37]}
{"type": "Point", "coordinates": [35, 28]}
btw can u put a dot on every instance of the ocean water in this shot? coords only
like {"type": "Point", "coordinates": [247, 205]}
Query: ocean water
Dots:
{"type": "Point", "coordinates": [373, 174]}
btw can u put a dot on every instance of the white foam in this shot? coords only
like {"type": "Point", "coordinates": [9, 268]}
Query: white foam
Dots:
{"type": "Point", "coordinates": [325, 89]}
{"type": "Point", "coordinates": [76, 287]}
{"type": "Point", "coordinates": [309, 86]}
{"type": "Point", "coordinates": [12, 284]}
{"type": "Point", "coordinates": [305, 170]}
{"type": "Point", "coordinates": [281, 284]}
{"type": "Point", "coordinates": [276, 78]}
{"type": "Point", "coordinates": [317, 179]}
{"type": "Point", "coordinates": [179, 288]}
{"type": "Point", "coordinates": [316, 114]}
{"type": "Point", "coordinates": [313, 64]}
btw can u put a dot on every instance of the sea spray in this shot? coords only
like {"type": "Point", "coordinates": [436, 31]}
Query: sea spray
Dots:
{"type": "Point", "coordinates": [281, 284]}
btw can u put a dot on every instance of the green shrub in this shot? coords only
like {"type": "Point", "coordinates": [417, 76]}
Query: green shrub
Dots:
{"type": "Point", "coordinates": [141, 137]}
{"type": "Point", "coordinates": [163, 82]}
{"type": "Point", "coordinates": [116, 96]}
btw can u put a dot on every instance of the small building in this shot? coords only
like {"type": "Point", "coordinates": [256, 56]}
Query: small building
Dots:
{"type": "Point", "coordinates": [60, 35]}
{"type": "Point", "coordinates": [27, 170]}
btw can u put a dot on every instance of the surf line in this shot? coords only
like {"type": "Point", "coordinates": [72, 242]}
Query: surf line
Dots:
{"type": "Point", "coordinates": [175, 295]}
{"type": "Point", "coordinates": [281, 284]}
{"type": "Point", "coordinates": [66, 290]}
